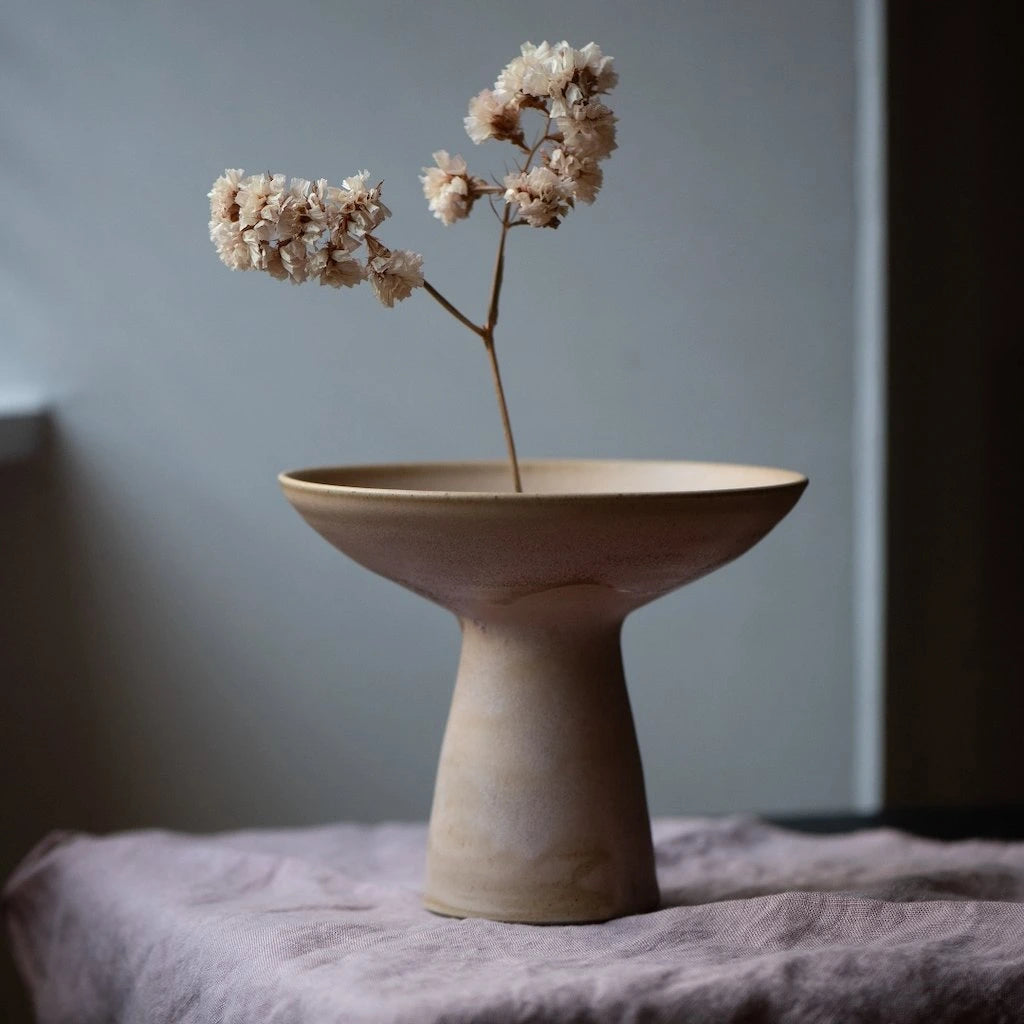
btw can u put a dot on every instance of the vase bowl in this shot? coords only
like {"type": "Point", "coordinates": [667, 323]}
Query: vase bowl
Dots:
{"type": "Point", "coordinates": [539, 810]}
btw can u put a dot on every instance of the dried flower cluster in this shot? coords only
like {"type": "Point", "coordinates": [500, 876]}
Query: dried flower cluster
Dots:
{"type": "Point", "coordinates": [302, 230]}
{"type": "Point", "coordinates": [563, 84]}
{"type": "Point", "coordinates": [450, 189]}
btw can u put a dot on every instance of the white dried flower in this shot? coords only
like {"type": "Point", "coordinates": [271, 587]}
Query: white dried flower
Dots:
{"type": "Point", "coordinates": [394, 275]}
{"type": "Point", "coordinates": [538, 73]}
{"type": "Point", "coordinates": [294, 259]}
{"type": "Point", "coordinates": [222, 196]}
{"type": "Point", "coordinates": [583, 173]}
{"type": "Point", "coordinates": [298, 189]}
{"type": "Point", "coordinates": [297, 230]}
{"type": "Point", "coordinates": [358, 206]}
{"type": "Point", "coordinates": [226, 235]}
{"type": "Point", "coordinates": [313, 221]}
{"type": "Point", "coordinates": [275, 265]}
{"type": "Point", "coordinates": [253, 195]}
{"type": "Point", "coordinates": [586, 73]}
{"type": "Point", "coordinates": [257, 249]}
{"type": "Point", "coordinates": [589, 131]}
{"type": "Point", "coordinates": [511, 83]}
{"type": "Point", "coordinates": [294, 212]}
{"type": "Point", "coordinates": [492, 117]}
{"type": "Point", "coordinates": [449, 188]}
{"type": "Point", "coordinates": [341, 270]}
{"type": "Point", "coordinates": [541, 195]}
{"type": "Point", "coordinates": [316, 261]}
{"type": "Point", "coordinates": [559, 73]}
{"type": "Point", "coordinates": [596, 74]}
{"type": "Point", "coordinates": [280, 216]}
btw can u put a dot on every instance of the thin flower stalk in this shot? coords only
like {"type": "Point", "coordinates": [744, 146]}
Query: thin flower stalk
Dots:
{"type": "Point", "coordinates": [301, 230]}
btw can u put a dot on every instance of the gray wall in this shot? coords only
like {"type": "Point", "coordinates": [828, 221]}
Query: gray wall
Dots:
{"type": "Point", "coordinates": [186, 651]}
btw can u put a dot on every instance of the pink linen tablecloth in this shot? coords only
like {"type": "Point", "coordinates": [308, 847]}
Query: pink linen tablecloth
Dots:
{"type": "Point", "coordinates": [324, 926]}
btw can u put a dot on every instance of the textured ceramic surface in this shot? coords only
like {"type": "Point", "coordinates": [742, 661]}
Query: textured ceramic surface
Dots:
{"type": "Point", "coordinates": [539, 809]}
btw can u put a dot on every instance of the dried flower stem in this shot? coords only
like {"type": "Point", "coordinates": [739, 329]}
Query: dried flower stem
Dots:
{"type": "Point", "coordinates": [486, 332]}
{"type": "Point", "coordinates": [492, 319]}
{"type": "Point", "coordinates": [488, 336]}
{"type": "Point", "coordinates": [461, 317]}
{"type": "Point", "coordinates": [505, 422]}
{"type": "Point", "coordinates": [541, 139]}
{"type": "Point", "coordinates": [499, 276]}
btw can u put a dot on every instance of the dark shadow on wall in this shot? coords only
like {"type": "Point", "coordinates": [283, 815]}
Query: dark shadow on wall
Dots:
{"type": "Point", "coordinates": [54, 771]}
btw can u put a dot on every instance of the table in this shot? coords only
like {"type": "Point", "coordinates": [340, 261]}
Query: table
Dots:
{"type": "Point", "coordinates": [324, 925]}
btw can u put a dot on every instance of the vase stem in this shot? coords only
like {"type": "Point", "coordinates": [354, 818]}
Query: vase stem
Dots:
{"type": "Point", "coordinates": [539, 811]}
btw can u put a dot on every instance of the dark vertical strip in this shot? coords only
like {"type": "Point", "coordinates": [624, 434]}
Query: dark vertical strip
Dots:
{"type": "Point", "coordinates": [955, 658]}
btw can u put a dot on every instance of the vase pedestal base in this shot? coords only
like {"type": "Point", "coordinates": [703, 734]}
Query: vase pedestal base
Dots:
{"type": "Point", "coordinates": [539, 809]}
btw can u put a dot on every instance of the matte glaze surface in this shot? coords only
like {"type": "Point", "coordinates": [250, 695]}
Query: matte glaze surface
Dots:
{"type": "Point", "coordinates": [539, 808]}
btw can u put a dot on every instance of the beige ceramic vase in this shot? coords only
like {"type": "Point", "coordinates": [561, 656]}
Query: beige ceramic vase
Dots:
{"type": "Point", "coordinates": [539, 808]}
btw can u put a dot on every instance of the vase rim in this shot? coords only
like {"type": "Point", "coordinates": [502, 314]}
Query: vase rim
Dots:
{"type": "Point", "coordinates": [369, 479]}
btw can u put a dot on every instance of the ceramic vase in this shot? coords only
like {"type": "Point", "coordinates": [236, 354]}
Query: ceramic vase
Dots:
{"type": "Point", "coordinates": [539, 811]}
